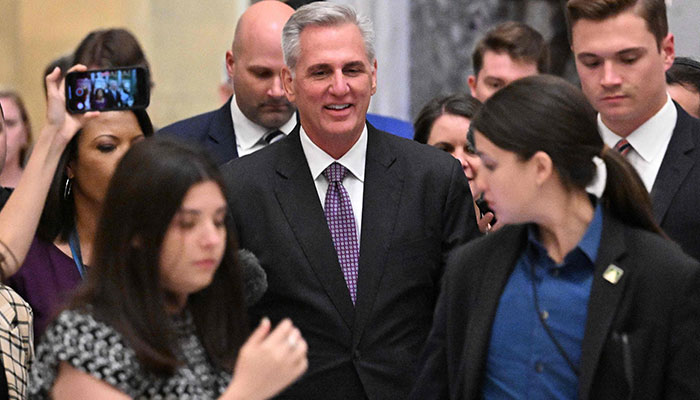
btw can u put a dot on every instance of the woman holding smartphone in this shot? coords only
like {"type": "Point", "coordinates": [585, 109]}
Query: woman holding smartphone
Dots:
{"type": "Point", "coordinates": [61, 253]}
{"type": "Point", "coordinates": [579, 295]}
{"type": "Point", "coordinates": [162, 314]}
{"type": "Point", "coordinates": [18, 221]}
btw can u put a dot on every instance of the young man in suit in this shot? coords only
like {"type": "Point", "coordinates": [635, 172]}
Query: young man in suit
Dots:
{"type": "Point", "coordinates": [351, 224]}
{"type": "Point", "coordinates": [622, 49]}
{"type": "Point", "coordinates": [258, 113]}
{"type": "Point", "coordinates": [510, 51]}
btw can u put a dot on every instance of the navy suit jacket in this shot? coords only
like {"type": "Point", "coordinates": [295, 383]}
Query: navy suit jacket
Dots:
{"type": "Point", "coordinates": [675, 194]}
{"type": "Point", "coordinates": [212, 130]}
{"type": "Point", "coordinates": [656, 303]}
{"type": "Point", "coordinates": [416, 208]}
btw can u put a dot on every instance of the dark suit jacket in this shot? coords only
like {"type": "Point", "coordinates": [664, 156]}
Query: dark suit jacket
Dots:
{"type": "Point", "coordinates": [676, 191]}
{"type": "Point", "coordinates": [416, 208]}
{"type": "Point", "coordinates": [213, 131]}
{"type": "Point", "coordinates": [656, 303]}
{"type": "Point", "coordinates": [113, 99]}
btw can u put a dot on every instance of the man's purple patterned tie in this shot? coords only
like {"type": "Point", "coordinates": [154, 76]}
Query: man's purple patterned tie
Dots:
{"type": "Point", "coordinates": [341, 222]}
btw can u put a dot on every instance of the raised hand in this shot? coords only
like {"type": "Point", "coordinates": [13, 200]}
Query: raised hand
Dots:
{"type": "Point", "coordinates": [57, 118]}
{"type": "Point", "coordinates": [268, 362]}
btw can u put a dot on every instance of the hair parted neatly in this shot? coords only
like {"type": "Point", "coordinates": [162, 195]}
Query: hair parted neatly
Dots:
{"type": "Point", "coordinates": [652, 11]}
{"type": "Point", "coordinates": [110, 48]}
{"type": "Point", "coordinates": [520, 41]}
{"type": "Point", "coordinates": [322, 13]}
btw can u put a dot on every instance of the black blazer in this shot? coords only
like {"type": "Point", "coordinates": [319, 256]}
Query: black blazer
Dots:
{"type": "Point", "coordinates": [656, 303]}
{"type": "Point", "coordinates": [676, 191]}
{"type": "Point", "coordinates": [212, 130]}
{"type": "Point", "coordinates": [416, 208]}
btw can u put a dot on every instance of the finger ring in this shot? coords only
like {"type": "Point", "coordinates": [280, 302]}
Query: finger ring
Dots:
{"type": "Point", "coordinates": [292, 341]}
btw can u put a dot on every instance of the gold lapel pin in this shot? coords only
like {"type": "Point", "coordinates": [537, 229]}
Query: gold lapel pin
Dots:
{"type": "Point", "coordinates": [613, 274]}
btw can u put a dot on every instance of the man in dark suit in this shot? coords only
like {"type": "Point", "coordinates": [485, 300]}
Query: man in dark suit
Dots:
{"type": "Point", "coordinates": [509, 51]}
{"type": "Point", "coordinates": [259, 110]}
{"type": "Point", "coordinates": [622, 49]}
{"type": "Point", "coordinates": [351, 224]}
{"type": "Point", "coordinates": [113, 94]}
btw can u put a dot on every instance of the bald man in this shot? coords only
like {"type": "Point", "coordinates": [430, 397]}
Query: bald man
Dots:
{"type": "Point", "coordinates": [258, 113]}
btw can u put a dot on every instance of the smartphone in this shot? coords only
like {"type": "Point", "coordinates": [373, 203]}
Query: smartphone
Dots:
{"type": "Point", "coordinates": [111, 89]}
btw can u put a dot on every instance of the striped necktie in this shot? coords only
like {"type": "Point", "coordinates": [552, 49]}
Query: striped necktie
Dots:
{"type": "Point", "coordinates": [274, 136]}
{"type": "Point", "coordinates": [623, 146]}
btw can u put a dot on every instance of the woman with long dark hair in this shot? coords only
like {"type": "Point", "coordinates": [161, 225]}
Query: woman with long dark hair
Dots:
{"type": "Point", "coordinates": [579, 295]}
{"type": "Point", "coordinates": [18, 222]}
{"type": "Point", "coordinates": [443, 122]}
{"type": "Point", "coordinates": [162, 312]}
{"type": "Point", "coordinates": [62, 250]}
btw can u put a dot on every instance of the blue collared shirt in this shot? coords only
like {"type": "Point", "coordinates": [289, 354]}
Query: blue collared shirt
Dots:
{"type": "Point", "coordinates": [522, 361]}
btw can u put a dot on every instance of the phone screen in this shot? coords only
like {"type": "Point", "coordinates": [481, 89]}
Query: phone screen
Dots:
{"type": "Point", "coordinates": [107, 90]}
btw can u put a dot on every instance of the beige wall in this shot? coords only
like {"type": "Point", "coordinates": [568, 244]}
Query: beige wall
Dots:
{"type": "Point", "coordinates": [185, 42]}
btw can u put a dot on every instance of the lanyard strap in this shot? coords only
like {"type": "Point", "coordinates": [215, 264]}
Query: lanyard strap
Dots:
{"type": "Point", "coordinates": [74, 244]}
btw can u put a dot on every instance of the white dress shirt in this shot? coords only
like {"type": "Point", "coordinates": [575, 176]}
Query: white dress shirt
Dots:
{"type": "Point", "coordinates": [649, 142]}
{"type": "Point", "coordinates": [249, 135]}
{"type": "Point", "coordinates": [353, 160]}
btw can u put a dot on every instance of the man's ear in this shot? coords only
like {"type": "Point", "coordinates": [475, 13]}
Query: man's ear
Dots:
{"type": "Point", "coordinates": [374, 77]}
{"type": "Point", "coordinates": [668, 51]}
{"type": "Point", "coordinates": [230, 64]}
{"type": "Point", "coordinates": [471, 82]}
{"type": "Point", "coordinates": [287, 80]}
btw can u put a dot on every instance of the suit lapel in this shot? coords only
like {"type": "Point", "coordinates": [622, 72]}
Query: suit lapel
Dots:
{"type": "Point", "coordinates": [603, 301]}
{"type": "Point", "coordinates": [382, 194]}
{"type": "Point", "coordinates": [484, 304]}
{"type": "Point", "coordinates": [221, 137]}
{"type": "Point", "coordinates": [296, 193]}
{"type": "Point", "coordinates": [674, 167]}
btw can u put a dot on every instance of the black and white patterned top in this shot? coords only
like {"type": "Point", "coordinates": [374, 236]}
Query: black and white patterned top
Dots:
{"type": "Point", "coordinates": [94, 347]}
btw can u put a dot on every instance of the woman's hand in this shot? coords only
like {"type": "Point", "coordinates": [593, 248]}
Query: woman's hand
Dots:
{"type": "Point", "coordinates": [483, 221]}
{"type": "Point", "coordinates": [268, 362]}
{"type": "Point", "coordinates": [57, 118]}
{"type": "Point", "coordinates": [20, 216]}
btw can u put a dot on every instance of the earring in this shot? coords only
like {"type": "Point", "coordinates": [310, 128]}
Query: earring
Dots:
{"type": "Point", "coordinates": [67, 188]}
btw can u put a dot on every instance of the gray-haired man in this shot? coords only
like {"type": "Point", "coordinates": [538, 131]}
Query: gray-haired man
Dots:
{"type": "Point", "coordinates": [351, 224]}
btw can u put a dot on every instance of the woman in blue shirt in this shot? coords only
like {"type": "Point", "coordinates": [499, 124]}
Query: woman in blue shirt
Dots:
{"type": "Point", "coordinates": [582, 295]}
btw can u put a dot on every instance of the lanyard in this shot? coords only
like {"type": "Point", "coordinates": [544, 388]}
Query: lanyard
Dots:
{"type": "Point", "coordinates": [74, 244]}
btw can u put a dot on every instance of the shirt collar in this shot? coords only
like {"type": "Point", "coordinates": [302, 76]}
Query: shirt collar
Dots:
{"type": "Point", "coordinates": [248, 133]}
{"type": "Point", "coordinates": [319, 160]}
{"type": "Point", "coordinates": [648, 139]}
{"type": "Point", "coordinates": [589, 243]}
